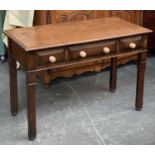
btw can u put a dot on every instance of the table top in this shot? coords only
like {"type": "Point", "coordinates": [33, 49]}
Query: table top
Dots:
{"type": "Point", "coordinates": [71, 33]}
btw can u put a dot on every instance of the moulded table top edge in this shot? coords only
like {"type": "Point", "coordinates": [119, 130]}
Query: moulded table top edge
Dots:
{"type": "Point", "coordinates": [91, 34]}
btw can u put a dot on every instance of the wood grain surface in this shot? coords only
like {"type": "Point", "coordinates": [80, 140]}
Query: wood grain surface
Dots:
{"type": "Point", "coordinates": [56, 35]}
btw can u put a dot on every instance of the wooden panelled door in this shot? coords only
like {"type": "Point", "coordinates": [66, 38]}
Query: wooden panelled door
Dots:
{"type": "Point", "coordinates": [57, 16]}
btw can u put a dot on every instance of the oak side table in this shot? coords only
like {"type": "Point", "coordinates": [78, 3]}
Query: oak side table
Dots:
{"type": "Point", "coordinates": [72, 44]}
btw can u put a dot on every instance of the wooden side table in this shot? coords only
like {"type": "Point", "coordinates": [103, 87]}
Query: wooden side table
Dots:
{"type": "Point", "coordinates": [72, 44]}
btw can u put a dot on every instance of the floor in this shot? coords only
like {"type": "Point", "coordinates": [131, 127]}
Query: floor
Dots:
{"type": "Point", "coordinates": [81, 110]}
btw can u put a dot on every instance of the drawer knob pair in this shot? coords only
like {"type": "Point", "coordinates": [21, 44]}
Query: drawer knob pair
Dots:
{"type": "Point", "coordinates": [106, 50]}
{"type": "Point", "coordinates": [52, 59]}
{"type": "Point", "coordinates": [83, 54]}
{"type": "Point", "coordinates": [132, 45]}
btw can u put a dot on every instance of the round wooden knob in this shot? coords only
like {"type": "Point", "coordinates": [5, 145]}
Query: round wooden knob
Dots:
{"type": "Point", "coordinates": [106, 50]}
{"type": "Point", "coordinates": [52, 59]}
{"type": "Point", "coordinates": [132, 45]}
{"type": "Point", "coordinates": [83, 54]}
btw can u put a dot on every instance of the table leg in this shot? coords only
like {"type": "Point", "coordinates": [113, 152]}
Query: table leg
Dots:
{"type": "Point", "coordinates": [31, 105]}
{"type": "Point", "coordinates": [13, 85]}
{"type": "Point", "coordinates": [113, 74]}
{"type": "Point", "coordinates": [140, 80]}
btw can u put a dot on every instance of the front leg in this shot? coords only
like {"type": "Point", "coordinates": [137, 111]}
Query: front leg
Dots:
{"type": "Point", "coordinates": [31, 105]}
{"type": "Point", "coordinates": [140, 80]}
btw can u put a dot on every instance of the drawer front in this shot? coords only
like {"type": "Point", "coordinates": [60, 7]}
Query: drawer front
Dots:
{"type": "Point", "coordinates": [50, 56]}
{"type": "Point", "coordinates": [131, 43]}
{"type": "Point", "coordinates": [92, 50]}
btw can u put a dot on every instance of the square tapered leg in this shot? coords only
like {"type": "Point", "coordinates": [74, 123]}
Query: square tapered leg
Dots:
{"type": "Point", "coordinates": [13, 82]}
{"type": "Point", "coordinates": [113, 74]}
{"type": "Point", "coordinates": [31, 105]}
{"type": "Point", "coordinates": [140, 80]}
